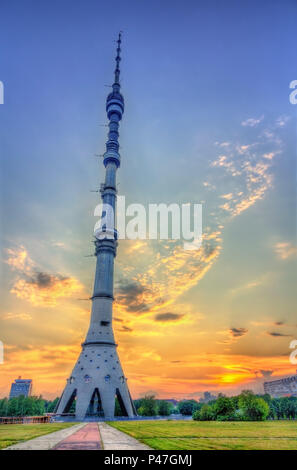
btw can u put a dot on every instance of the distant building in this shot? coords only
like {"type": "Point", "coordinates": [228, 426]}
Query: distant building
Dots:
{"type": "Point", "coordinates": [282, 387]}
{"type": "Point", "coordinates": [21, 387]}
{"type": "Point", "coordinates": [207, 396]}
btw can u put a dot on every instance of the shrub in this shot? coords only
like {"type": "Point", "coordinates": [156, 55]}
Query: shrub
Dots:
{"type": "Point", "coordinates": [252, 407]}
{"type": "Point", "coordinates": [205, 414]}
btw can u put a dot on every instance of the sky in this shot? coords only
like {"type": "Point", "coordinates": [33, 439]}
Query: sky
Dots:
{"type": "Point", "coordinates": [207, 120]}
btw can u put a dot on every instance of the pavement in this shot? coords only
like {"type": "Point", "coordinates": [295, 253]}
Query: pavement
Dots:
{"type": "Point", "coordinates": [46, 442]}
{"type": "Point", "coordinates": [82, 436]}
{"type": "Point", "coordinates": [86, 438]}
{"type": "Point", "coordinates": [113, 439]}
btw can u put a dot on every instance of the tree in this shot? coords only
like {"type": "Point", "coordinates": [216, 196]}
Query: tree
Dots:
{"type": "Point", "coordinates": [148, 406]}
{"type": "Point", "coordinates": [3, 407]}
{"type": "Point", "coordinates": [187, 407]}
{"type": "Point", "coordinates": [12, 409]}
{"type": "Point", "coordinates": [206, 413]}
{"type": "Point", "coordinates": [51, 405]}
{"type": "Point", "coordinates": [224, 409]}
{"type": "Point", "coordinates": [252, 407]}
{"type": "Point", "coordinates": [165, 408]}
{"type": "Point", "coordinates": [276, 408]}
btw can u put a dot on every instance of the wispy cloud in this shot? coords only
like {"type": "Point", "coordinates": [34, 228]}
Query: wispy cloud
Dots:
{"type": "Point", "coordinates": [282, 120]}
{"type": "Point", "coordinates": [276, 334]}
{"type": "Point", "coordinates": [245, 172]}
{"type": "Point", "coordinates": [19, 260]}
{"type": "Point", "coordinates": [250, 167]}
{"type": "Point", "coordinates": [38, 287]}
{"type": "Point", "coordinates": [169, 272]}
{"type": "Point", "coordinates": [16, 316]}
{"type": "Point", "coordinates": [231, 335]}
{"type": "Point", "coordinates": [285, 250]}
{"type": "Point", "coordinates": [262, 280]}
{"type": "Point", "coordinates": [238, 332]}
{"type": "Point", "coordinates": [252, 122]}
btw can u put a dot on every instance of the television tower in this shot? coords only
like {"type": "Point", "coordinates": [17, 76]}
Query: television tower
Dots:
{"type": "Point", "coordinates": [98, 378]}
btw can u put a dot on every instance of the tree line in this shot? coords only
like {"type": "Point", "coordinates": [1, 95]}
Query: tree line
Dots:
{"type": "Point", "coordinates": [247, 407]}
{"type": "Point", "coordinates": [26, 406]}
{"type": "Point", "coordinates": [244, 407]}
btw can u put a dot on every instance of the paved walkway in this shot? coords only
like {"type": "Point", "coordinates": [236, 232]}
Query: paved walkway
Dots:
{"type": "Point", "coordinates": [83, 436]}
{"type": "Point", "coordinates": [86, 438]}
{"type": "Point", "coordinates": [113, 439]}
{"type": "Point", "coordinates": [48, 441]}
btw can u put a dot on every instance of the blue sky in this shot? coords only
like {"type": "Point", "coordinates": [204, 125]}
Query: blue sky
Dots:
{"type": "Point", "coordinates": [195, 76]}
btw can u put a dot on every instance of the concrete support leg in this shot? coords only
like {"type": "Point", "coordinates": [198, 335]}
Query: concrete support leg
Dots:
{"type": "Point", "coordinates": [65, 399]}
{"type": "Point", "coordinates": [127, 401]}
{"type": "Point", "coordinates": [82, 403]}
{"type": "Point", "coordinates": [108, 401]}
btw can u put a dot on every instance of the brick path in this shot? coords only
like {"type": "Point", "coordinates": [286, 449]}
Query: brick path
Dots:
{"type": "Point", "coordinates": [87, 438]}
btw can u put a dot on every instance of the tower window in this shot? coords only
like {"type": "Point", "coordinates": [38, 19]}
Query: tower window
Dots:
{"type": "Point", "coordinates": [104, 323]}
{"type": "Point", "coordinates": [107, 378]}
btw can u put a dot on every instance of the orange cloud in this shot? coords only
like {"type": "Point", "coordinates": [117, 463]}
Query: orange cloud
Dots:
{"type": "Point", "coordinates": [47, 295]}
{"type": "Point", "coordinates": [19, 259]}
{"type": "Point", "coordinates": [176, 271]}
{"type": "Point", "coordinates": [35, 286]}
{"type": "Point", "coordinates": [16, 316]}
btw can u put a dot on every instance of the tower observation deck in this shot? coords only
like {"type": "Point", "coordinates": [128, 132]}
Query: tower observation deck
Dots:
{"type": "Point", "coordinates": [98, 378]}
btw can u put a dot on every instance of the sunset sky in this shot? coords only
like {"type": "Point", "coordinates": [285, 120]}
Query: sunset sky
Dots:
{"type": "Point", "coordinates": [207, 120]}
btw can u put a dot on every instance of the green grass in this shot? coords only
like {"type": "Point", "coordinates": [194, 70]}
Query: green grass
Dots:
{"type": "Point", "coordinates": [14, 433]}
{"type": "Point", "coordinates": [195, 435]}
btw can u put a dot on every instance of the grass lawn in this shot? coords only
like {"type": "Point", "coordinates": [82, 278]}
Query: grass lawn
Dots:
{"type": "Point", "coordinates": [195, 435]}
{"type": "Point", "coordinates": [14, 433]}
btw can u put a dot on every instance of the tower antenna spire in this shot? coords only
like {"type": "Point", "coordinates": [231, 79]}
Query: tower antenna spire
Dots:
{"type": "Point", "coordinates": [118, 59]}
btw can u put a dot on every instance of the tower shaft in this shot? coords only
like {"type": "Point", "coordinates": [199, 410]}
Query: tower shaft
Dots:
{"type": "Point", "coordinates": [97, 377]}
